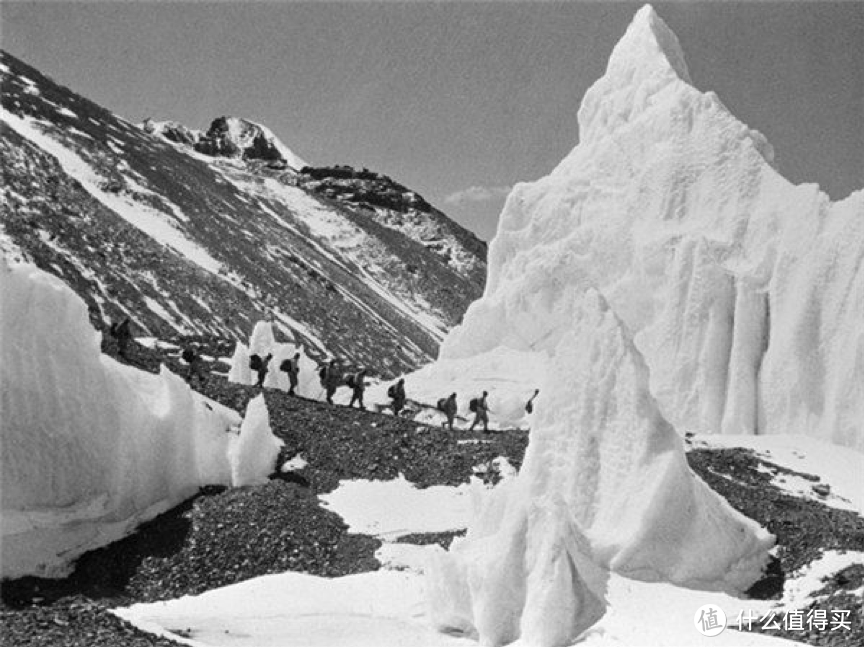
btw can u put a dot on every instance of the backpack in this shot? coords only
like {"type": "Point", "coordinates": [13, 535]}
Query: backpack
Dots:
{"type": "Point", "coordinates": [286, 366]}
{"type": "Point", "coordinates": [473, 405]}
{"type": "Point", "coordinates": [442, 404]}
{"type": "Point", "coordinates": [350, 381]}
{"type": "Point", "coordinates": [391, 392]}
{"type": "Point", "coordinates": [255, 363]}
{"type": "Point", "coordinates": [188, 355]}
{"type": "Point", "coordinates": [322, 373]}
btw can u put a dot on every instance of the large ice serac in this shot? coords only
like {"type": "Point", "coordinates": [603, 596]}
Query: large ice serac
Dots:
{"type": "Point", "coordinates": [744, 292]}
{"type": "Point", "coordinates": [92, 447]}
{"type": "Point", "coordinates": [605, 486]}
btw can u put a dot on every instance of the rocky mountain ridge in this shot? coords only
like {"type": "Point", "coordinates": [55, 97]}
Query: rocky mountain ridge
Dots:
{"type": "Point", "coordinates": [204, 233]}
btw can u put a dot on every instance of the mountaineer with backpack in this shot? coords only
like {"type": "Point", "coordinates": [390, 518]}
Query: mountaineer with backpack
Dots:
{"type": "Point", "coordinates": [331, 379]}
{"type": "Point", "coordinates": [292, 367]}
{"type": "Point", "coordinates": [396, 392]}
{"type": "Point", "coordinates": [260, 366]}
{"type": "Point", "coordinates": [449, 407]}
{"type": "Point", "coordinates": [357, 383]}
{"type": "Point", "coordinates": [481, 412]}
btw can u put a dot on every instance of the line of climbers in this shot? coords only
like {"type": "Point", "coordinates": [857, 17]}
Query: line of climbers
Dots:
{"type": "Point", "coordinates": [332, 377]}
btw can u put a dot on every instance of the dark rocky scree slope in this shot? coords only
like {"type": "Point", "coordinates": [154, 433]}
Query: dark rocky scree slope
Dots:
{"type": "Point", "coordinates": [224, 536]}
{"type": "Point", "coordinates": [240, 238]}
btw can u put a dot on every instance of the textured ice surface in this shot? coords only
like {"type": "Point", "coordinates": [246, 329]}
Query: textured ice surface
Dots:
{"type": "Point", "coordinates": [604, 486]}
{"type": "Point", "coordinates": [252, 454]}
{"type": "Point", "coordinates": [745, 293]}
{"type": "Point", "coordinates": [92, 447]}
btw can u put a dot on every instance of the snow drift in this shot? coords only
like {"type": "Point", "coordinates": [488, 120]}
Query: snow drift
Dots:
{"type": "Point", "coordinates": [744, 292]}
{"type": "Point", "coordinates": [605, 486]}
{"type": "Point", "coordinates": [92, 447]}
{"type": "Point", "coordinates": [263, 342]}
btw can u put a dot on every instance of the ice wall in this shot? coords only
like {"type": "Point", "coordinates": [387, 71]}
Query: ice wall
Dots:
{"type": "Point", "coordinates": [263, 342]}
{"type": "Point", "coordinates": [90, 447]}
{"type": "Point", "coordinates": [604, 486]}
{"type": "Point", "coordinates": [744, 292]}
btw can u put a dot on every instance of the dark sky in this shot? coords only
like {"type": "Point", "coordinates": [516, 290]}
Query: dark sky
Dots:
{"type": "Point", "coordinates": [447, 97]}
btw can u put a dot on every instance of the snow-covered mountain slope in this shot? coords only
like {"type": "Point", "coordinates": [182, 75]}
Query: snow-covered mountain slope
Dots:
{"type": "Point", "coordinates": [744, 292]}
{"type": "Point", "coordinates": [196, 232]}
{"type": "Point", "coordinates": [92, 447]}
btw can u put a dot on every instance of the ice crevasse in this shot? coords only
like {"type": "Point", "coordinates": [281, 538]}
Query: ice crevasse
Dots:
{"type": "Point", "coordinates": [744, 292]}
{"type": "Point", "coordinates": [92, 447]}
{"type": "Point", "coordinates": [605, 486]}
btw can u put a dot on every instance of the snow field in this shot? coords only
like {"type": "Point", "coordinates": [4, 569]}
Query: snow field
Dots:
{"type": "Point", "coordinates": [92, 447]}
{"type": "Point", "coordinates": [389, 607]}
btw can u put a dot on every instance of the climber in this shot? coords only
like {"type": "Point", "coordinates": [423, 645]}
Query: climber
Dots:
{"type": "Point", "coordinates": [481, 412]}
{"type": "Point", "coordinates": [449, 407]}
{"type": "Point", "coordinates": [262, 369]}
{"type": "Point", "coordinates": [331, 379]}
{"type": "Point", "coordinates": [357, 383]}
{"type": "Point", "coordinates": [396, 392]}
{"type": "Point", "coordinates": [292, 367]}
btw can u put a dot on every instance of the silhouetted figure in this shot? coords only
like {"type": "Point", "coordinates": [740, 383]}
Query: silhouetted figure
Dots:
{"type": "Point", "coordinates": [396, 392]}
{"type": "Point", "coordinates": [481, 412]}
{"type": "Point", "coordinates": [263, 367]}
{"type": "Point", "coordinates": [193, 361]}
{"type": "Point", "coordinates": [449, 407]}
{"type": "Point", "coordinates": [292, 367]}
{"type": "Point", "coordinates": [357, 382]}
{"type": "Point", "coordinates": [331, 379]}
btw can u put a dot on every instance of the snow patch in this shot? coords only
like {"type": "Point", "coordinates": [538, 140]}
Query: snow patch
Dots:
{"type": "Point", "coordinates": [391, 509]}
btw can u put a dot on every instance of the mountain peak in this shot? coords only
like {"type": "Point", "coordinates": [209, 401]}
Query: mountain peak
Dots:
{"type": "Point", "coordinates": [649, 43]}
{"type": "Point", "coordinates": [643, 65]}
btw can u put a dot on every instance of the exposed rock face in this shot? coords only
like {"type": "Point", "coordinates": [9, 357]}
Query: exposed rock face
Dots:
{"type": "Point", "coordinates": [142, 225]}
{"type": "Point", "coordinates": [233, 137]}
{"type": "Point", "coordinates": [172, 131]}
